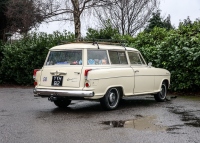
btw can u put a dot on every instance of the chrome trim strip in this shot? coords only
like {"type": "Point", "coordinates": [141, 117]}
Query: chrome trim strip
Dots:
{"type": "Point", "coordinates": [64, 93]}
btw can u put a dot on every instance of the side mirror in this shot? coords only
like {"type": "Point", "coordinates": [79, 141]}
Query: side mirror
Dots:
{"type": "Point", "coordinates": [150, 64]}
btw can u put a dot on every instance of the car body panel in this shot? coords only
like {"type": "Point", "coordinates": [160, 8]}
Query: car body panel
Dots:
{"type": "Point", "coordinates": [132, 79]}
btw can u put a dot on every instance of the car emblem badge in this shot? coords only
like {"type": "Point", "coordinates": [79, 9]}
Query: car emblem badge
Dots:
{"type": "Point", "coordinates": [56, 73]}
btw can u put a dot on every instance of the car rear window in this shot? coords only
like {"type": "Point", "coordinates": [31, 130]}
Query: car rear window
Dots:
{"type": "Point", "coordinates": [97, 57]}
{"type": "Point", "coordinates": [69, 57]}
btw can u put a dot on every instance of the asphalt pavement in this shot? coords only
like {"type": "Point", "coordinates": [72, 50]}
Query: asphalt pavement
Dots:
{"type": "Point", "coordinates": [27, 119]}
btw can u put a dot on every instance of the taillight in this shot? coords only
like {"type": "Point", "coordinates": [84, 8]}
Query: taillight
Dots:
{"type": "Point", "coordinates": [35, 83]}
{"type": "Point", "coordinates": [87, 84]}
{"type": "Point", "coordinates": [34, 73]}
{"type": "Point", "coordinates": [86, 73]}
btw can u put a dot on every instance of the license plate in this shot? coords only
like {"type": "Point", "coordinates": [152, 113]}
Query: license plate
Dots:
{"type": "Point", "coordinates": [57, 80]}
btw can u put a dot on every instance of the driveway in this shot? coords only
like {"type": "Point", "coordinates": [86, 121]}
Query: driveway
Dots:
{"type": "Point", "coordinates": [25, 118]}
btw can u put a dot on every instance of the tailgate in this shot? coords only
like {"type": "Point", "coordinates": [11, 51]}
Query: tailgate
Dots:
{"type": "Point", "coordinates": [61, 76]}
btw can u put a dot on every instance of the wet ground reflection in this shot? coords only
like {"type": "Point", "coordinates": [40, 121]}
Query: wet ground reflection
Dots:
{"type": "Point", "coordinates": [187, 116]}
{"type": "Point", "coordinates": [140, 123]}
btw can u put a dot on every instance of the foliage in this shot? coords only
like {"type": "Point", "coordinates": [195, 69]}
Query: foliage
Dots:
{"type": "Point", "coordinates": [23, 15]}
{"type": "Point", "coordinates": [157, 21]}
{"type": "Point", "coordinates": [3, 19]}
{"type": "Point", "coordinates": [1, 54]}
{"type": "Point", "coordinates": [106, 33]}
{"type": "Point", "coordinates": [21, 57]}
{"type": "Point", "coordinates": [175, 50]}
{"type": "Point", "coordinates": [186, 22]}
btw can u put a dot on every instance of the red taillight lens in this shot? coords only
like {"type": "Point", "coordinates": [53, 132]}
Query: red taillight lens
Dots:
{"type": "Point", "coordinates": [35, 83]}
{"type": "Point", "coordinates": [86, 72]}
{"type": "Point", "coordinates": [87, 84]}
{"type": "Point", "coordinates": [34, 73]}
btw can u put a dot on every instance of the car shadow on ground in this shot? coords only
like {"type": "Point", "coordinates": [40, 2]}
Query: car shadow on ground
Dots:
{"type": "Point", "coordinates": [95, 107]}
{"type": "Point", "coordinates": [88, 109]}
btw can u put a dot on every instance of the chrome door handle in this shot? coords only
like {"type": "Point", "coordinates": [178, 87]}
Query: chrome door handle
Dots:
{"type": "Point", "coordinates": [77, 72]}
{"type": "Point", "coordinates": [136, 71]}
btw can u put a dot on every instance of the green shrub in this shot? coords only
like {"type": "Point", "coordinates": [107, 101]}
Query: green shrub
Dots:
{"type": "Point", "coordinates": [175, 50]}
{"type": "Point", "coordinates": [21, 57]}
{"type": "Point", "coordinates": [105, 33]}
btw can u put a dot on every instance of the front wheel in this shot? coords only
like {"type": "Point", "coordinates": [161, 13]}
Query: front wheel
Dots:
{"type": "Point", "coordinates": [111, 99]}
{"type": "Point", "coordinates": [62, 102]}
{"type": "Point", "coordinates": [161, 96]}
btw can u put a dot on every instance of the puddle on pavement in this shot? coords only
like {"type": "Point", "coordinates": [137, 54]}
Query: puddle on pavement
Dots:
{"type": "Point", "coordinates": [140, 123]}
{"type": "Point", "coordinates": [187, 117]}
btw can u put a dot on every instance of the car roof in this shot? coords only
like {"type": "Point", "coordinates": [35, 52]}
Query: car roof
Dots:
{"type": "Point", "coordinates": [91, 46]}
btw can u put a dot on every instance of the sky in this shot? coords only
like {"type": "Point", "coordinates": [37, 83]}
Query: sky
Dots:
{"type": "Point", "coordinates": [178, 10]}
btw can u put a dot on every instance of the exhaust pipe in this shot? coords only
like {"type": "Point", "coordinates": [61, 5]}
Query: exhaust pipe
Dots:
{"type": "Point", "coordinates": [52, 98]}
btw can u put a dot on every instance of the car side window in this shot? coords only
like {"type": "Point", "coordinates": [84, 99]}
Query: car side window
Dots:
{"type": "Point", "coordinates": [118, 57]}
{"type": "Point", "coordinates": [97, 57]}
{"type": "Point", "coordinates": [135, 58]}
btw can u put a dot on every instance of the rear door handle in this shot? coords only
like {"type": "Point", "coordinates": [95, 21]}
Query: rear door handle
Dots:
{"type": "Point", "coordinates": [77, 72]}
{"type": "Point", "coordinates": [136, 71]}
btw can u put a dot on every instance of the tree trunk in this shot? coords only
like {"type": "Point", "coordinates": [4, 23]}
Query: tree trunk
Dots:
{"type": "Point", "coordinates": [77, 21]}
{"type": "Point", "coordinates": [77, 25]}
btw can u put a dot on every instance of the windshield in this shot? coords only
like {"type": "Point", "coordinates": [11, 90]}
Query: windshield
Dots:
{"type": "Point", "coordinates": [69, 57]}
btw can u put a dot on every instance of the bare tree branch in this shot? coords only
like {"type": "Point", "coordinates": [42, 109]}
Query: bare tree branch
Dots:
{"type": "Point", "coordinates": [22, 15]}
{"type": "Point", "coordinates": [56, 10]}
{"type": "Point", "coordinates": [128, 16]}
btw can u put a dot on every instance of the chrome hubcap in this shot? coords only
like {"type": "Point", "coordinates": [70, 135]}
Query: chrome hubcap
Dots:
{"type": "Point", "coordinates": [163, 91]}
{"type": "Point", "coordinates": [112, 97]}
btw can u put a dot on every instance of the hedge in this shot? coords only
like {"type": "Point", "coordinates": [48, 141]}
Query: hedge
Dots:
{"type": "Point", "coordinates": [20, 58]}
{"type": "Point", "coordinates": [177, 51]}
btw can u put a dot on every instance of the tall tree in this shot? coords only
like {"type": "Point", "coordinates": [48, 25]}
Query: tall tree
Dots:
{"type": "Point", "coordinates": [128, 16]}
{"type": "Point", "coordinates": [157, 21]}
{"type": "Point", "coordinates": [23, 15]}
{"type": "Point", "coordinates": [186, 22]}
{"type": "Point", "coordinates": [3, 19]}
{"type": "Point", "coordinates": [70, 10]}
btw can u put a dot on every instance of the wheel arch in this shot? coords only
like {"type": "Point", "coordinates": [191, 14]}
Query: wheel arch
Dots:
{"type": "Point", "coordinates": [120, 89]}
{"type": "Point", "coordinates": [165, 81]}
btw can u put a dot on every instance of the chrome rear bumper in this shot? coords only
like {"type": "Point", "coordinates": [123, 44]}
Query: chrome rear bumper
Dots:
{"type": "Point", "coordinates": [64, 93]}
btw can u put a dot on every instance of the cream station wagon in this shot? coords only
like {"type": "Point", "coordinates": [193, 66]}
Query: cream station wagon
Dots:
{"type": "Point", "coordinates": [102, 72]}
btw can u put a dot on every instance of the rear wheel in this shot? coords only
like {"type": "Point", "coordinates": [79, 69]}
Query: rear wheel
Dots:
{"type": "Point", "coordinates": [111, 99]}
{"type": "Point", "coordinates": [161, 96]}
{"type": "Point", "coordinates": [62, 102]}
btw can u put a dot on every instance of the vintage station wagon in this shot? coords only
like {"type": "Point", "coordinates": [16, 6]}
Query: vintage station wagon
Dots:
{"type": "Point", "coordinates": [94, 71]}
